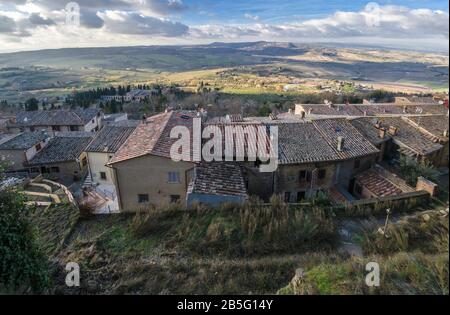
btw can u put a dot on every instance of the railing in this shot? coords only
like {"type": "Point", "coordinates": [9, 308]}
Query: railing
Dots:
{"type": "Point", "coordinates": [106, 194]}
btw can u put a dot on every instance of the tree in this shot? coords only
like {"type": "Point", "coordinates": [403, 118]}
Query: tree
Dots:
{"type": "Point", "coordinates": [23, 267]}
{"type": "Point", "coordinates": [31, 104]}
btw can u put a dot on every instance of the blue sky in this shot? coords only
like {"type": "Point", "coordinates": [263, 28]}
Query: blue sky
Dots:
{"type": "Point", "coordinates": [39, 24]}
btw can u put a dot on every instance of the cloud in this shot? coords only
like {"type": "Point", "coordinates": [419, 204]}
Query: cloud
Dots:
{"type": "Point", "coordinates": [7, 25]}
{"type": "Point", "coordinates": [251, 17]}
{"type": "Point", "coordinates": [159, 7]}
{"type": "Point", "coordinates": [121, 22]}
{"type": "Point", "coordinates": [381, 21]}
{"type": "Point", "coordinates": [37, 19]}
{"type": "Point", "coordinates": [152, 21]}
{"type": "Point", "coordinates": [90, 19]}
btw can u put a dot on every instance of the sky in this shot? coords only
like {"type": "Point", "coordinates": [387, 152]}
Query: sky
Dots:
{"type": "Point", "coordinates": [48, 24]}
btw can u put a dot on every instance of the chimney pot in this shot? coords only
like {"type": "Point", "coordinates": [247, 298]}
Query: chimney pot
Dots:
{"type": "Point", "coordinates": [393, 130]}
{"type": "Point", "coordinates": [382, 133]}
{"type": "Point", "coordinates": [340, 144]}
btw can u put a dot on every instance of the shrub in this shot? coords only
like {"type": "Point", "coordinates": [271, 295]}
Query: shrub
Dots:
{"type": "Point", "coordinates": [411, 170]}
{"type": "Point", "coordinates": [23, 267]}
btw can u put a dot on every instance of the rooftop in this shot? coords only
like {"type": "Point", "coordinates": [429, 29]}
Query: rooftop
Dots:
{"type": "Point", "coordinates": [61, 149]}
{"type": "Point", "coordinates": [382, 183]}
{"type": "Point", "coordinates": [153, 136]}
{"type": "Point", "coordinates": [109, 139]}
{"type": "Point", "coordinates": [355, 145]}
{"type": "Point", "coordinates": [366, 127]}
{"type": "Point", "coordinates": [302, 143]}
{"type": "Point", "coordinates": [24, 141]}
{"type": "Point", "coordinates": [375, 109]}
{"type": "Point", "coordinates": [77, 117]}
{"type": "Point", "coordinates": [218, 178]}
{"type": "Point", "coordinates": [410, 137]}
{"type": "Point", "coordinates": [434, 125]}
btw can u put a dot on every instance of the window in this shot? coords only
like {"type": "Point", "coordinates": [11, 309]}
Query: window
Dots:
{"type": "Point", "coordinates": [54, 169]}
{"type": "Point", "coordinates": [357, 164]}
{"type": "Point", "coordinates": [102, 175]}
{"type": "Point", "coordinates": [38, 147]}
{"type": "Point", "coordinates": [174, 177]}
{"type": "Point", "coordinates": [73, 128]}
{"type": "Point", "coordinates": [32, 129]}
{"type": "Point", "coordinates": [301, 196]}
{"type": "Point", "coordinates": [291, 177]}
{"type": "Point", "coordinates": [287, 196]}
{"type": "Point", "coordinates": [322, 174]}
{"type": "Point", "coordinates": [56, 128]}
{"type": "Point", "coordinates": [175, 198]}
{"type": "Point", "coordinates": [302, 175]}
{"type": "Point", "coordinates": [358, 189]}
{"type": "Point", "coordinates": [143, 198]}
{"type": "Point", "coordinates": [308, 176]}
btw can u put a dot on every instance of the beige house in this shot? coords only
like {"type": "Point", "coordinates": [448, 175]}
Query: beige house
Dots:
{"type": "Point", "coordinates": [102, 149]}
{"type": "Point", "coordinates": [144, 172]}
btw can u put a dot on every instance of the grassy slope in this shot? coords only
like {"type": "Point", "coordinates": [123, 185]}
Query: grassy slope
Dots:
{"type": "Point", "coordinates": [216, 252]}
{"type": "Point", "coordinates": [413, 260]}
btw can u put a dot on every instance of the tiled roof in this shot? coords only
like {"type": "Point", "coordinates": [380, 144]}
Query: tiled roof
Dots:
{"type": "Point", "coordinates": [419, 99]}
{"type": "Point", "coordinates": [366, 127]}
{"type": "Point", "coordinates": [218, 178]}
{"type": "Point", "coordinates": [377, 184]}
{"type": "Point", "coordinates": [109, 139]}
{"type": "Point", "coordinates": [78, 117]}
{"type": "Point", "coordinates": [302, 143]}
{"type": "Point", "coordinates": [153, 136]}
{"type": "Point", "coordinates": [410, 137]}
{"type": "Point", "coordinates": [24, 141]}
{"type": "Point", "coordinates": [355, 145]}
{"type": "Point", "coordinates": [382, 109]}
{"type": "Point", "coordinates": [434, 125]}
{"type": "Point", "coordinates": [237, 136]}
{"type": "Point", "coordinates": [331, 110]}
{"type": "Point", "coordinates": [61, 149]}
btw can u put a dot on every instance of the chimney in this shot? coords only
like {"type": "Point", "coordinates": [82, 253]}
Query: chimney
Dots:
{"type": "Point", "coordinates": [13, 120]}
{"type": "Point", "coordinates": [310, 111]}
{"type": "Point", "coordinates": [290, 111]}
{"type": "Point", "coordinates": [303, 114]}
{"type": "Point", "coordinates": [340, 144]}
{"type": "Point", "coordinates": [382, 133]}
{"type": "Point", "coordinates": [393, 130]}
{"type": "Point", "coordinates": [445, 133]}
